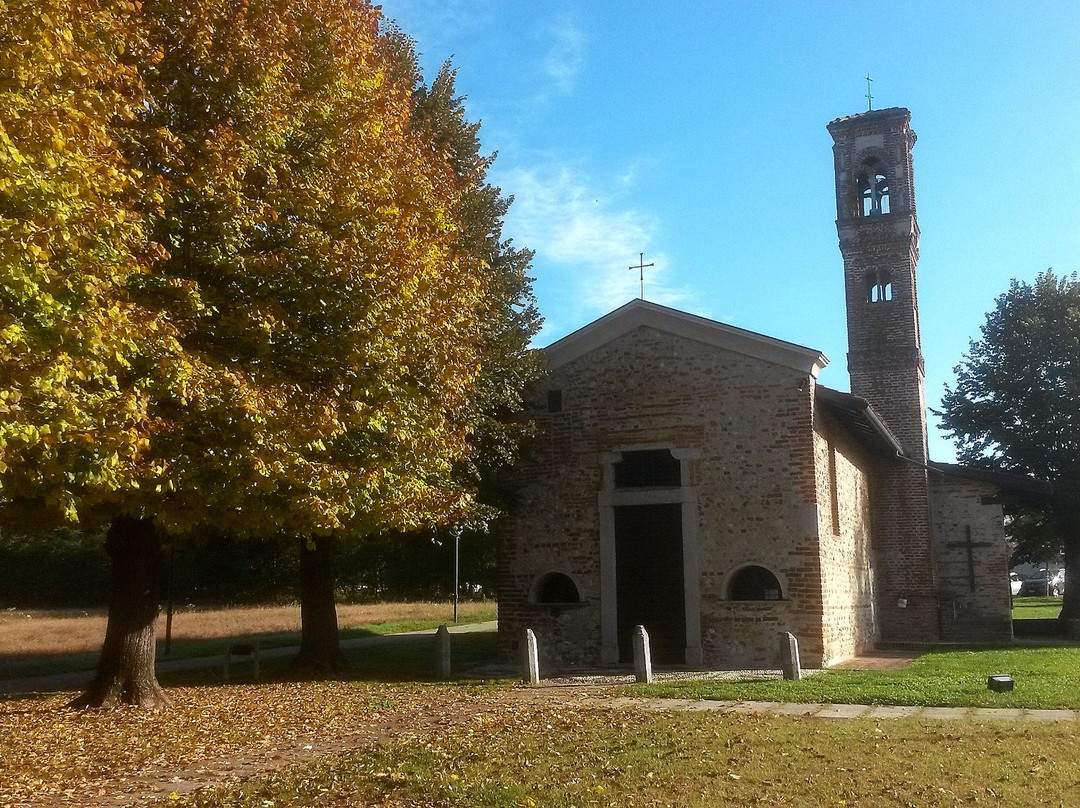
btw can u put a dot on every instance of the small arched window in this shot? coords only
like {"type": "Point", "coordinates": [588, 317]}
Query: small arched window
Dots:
{"type": "Point", "coordinates": [754, 583]}
{"type": "Point", "coordinates": [555, 587]}
{"type": "Point", "coordinates": [873, 187]}
{"type": "Point", "coordinates": [878, 288]}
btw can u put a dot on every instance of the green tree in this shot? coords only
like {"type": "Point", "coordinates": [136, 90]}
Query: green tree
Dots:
{"type": "Point", "coordinates": [1016, 402]}
{"type": "Point", "coordinates": [1034, 537]}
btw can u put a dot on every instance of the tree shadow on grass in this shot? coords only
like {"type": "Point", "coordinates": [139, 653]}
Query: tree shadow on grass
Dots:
{"type": "Point", "coordinates": [396, 658]}
{"type": "Point", "coordinates": [382, 658]}
{"type": "Point", "coordinates": [24, 665]}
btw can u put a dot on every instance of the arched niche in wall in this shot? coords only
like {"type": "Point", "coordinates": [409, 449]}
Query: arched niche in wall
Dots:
{"type": "Point", "coordinates": [555, 589]}
{"type": "Point", "coordinates": [753, 582]}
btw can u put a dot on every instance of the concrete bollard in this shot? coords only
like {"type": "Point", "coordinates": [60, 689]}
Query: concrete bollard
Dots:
{"type": "Point", "coordinates": [530, 659]}
{"type": "Point", "coordinates": [642, 655]}
{"type": "Point", "coordinates": [789, 656]}
{"type": "Point", "coordinates": [442, 652]}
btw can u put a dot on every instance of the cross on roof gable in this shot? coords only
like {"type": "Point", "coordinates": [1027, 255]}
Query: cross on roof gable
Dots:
{"type": "Point", "coordinates": [639, 313]}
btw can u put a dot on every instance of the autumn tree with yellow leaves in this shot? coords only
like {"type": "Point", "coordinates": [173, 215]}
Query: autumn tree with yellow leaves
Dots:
{"type": "Point", "coordinates": [77, 426]}
{"type": "Point", "coordinates": [278, 309]}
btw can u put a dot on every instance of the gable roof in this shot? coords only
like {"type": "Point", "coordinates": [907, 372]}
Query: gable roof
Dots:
{"type": "Point", "coordinates": [643, 313]}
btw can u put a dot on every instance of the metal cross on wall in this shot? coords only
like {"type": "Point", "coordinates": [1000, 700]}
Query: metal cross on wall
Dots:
{"type": "Point", "coordinates": [641, 267]}
{"type": "Point", "coordinates": [969, 545]}
{"type": "Point", "coordinates": [869, 98]}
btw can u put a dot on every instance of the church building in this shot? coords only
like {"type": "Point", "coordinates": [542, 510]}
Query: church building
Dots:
{"type": "Point", "coordinates": [697, 479]}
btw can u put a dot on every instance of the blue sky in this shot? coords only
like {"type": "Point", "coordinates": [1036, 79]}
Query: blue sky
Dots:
{"type": "Point", "coordinates": [695, 133]}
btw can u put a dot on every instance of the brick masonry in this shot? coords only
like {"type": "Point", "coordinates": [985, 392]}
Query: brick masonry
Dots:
{"type": "Point", "coordinates": [760, 477]}
{"type": "Point", "coordinates": [885, 357]}
{"type": "Point", "coordinates": [973, 589]}
{"type": "Point", "coordinates": [844, 530]}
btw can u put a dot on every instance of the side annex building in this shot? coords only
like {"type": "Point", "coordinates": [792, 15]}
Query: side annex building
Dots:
{"type": "Point", "coordinates": [697, 479]}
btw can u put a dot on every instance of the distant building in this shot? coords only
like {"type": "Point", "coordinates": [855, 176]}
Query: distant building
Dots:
{"type": "Point", "coordinates": [695, 478]}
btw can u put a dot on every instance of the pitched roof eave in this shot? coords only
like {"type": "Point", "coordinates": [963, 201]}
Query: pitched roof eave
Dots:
{"type": "Point", "coordinates": [643, 313]}
{"type": "Point", "coordinates": [859, 418]}
{"type": "Point", "coordinates": [1028, 489]}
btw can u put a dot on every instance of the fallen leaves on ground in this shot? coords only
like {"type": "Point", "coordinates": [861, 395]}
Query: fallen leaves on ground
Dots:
{"type": "Point", "coordinates": [51, 753]}
{"type": "Point", "coordinates": [307, 745]}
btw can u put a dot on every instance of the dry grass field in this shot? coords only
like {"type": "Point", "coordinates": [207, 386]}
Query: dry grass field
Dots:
{"type": "Point", "coordinates": [30, 633]}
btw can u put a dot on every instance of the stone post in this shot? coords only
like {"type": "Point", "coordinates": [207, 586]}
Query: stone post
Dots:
{"type": "Point", "coordinates": [530, 659]}
{"type": "Point", "coordinates": [789, 656]}
{"type": "Point", "coordinates": [642, 655]}
{"type": "Point", "coordinates": [442, 652]}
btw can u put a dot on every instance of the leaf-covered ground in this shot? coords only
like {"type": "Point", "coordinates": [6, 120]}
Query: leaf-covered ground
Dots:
{"type": "Point", "coordinates": [61, 756]}
{"type": "Point", "coordinates": [347, 744]}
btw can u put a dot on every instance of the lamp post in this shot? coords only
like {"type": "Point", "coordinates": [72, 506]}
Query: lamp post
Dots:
{"type": "Point", "coordinates": [457, 540]}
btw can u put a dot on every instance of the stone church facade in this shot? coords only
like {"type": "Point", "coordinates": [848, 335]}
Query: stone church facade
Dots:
{"type": "Point", "coordinates": [697, 479]}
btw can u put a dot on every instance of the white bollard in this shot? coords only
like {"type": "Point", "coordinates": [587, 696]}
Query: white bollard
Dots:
{"type": "Point", "coordinates": [530, 659]}
{"type": "Point", "coordinates": [642, 655]}
{"type": "Point", "coordinates": [789, 656]}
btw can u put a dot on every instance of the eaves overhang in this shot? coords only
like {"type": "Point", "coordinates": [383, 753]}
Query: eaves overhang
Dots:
{"type": "Point", "coordinates": [1020, 487]}
{"type": "Point", "coordinates": [859, 418]}
{"type": "Point", "coordinates": [645, 314]}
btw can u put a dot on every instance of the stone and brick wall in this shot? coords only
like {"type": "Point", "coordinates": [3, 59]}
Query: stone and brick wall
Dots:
{"type": "Point", "coordinates": [844, 529]}
{"type": "Point", "coordinates": [973, 589]}
{"type": "Point", "coordinates": [750, 425]}
{"type": "Point", "coordinates": [906, 591]}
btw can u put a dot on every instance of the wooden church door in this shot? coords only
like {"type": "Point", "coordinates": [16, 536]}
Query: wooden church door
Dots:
{"type": "Point", "coordinates": [649, 579]}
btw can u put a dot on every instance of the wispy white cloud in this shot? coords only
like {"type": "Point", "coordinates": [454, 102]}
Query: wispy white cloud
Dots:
{"type": "Point", "coordinates": [585, 241]}
{"type": "Point", "coordinates": [436, 24]}
{"type": "Point", "coordinates": [565, 54]}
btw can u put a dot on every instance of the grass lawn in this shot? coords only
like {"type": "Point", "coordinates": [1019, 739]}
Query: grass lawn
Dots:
{"type": "Point", "coordinates": [1036, 608]}
{"type": "Point", "coordinates": [493, 746]}
{"type": "Point", "coordinates": [390, 736]}
{"type": "Point", "coordinates": [560, 758]}
{"type": "Point", "coordinates": [1046, 677]}
{"type": "Point", "coordinates": [41, 642]}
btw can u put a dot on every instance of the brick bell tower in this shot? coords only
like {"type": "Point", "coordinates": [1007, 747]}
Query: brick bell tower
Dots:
{"type": "Point", "coordinates": [879, 242]}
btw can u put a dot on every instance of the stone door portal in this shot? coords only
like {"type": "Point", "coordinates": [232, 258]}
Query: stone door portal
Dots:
{"type": "Point", "coordinates": [649, 579]}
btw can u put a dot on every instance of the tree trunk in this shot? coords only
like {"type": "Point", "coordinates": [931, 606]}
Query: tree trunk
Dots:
{"type": "Point", "coordinates": [1070, 605]}
{"type": "Point", "coordinates": [125, 671]}
{"type": "Point", "coordinates": [320, 652]}
{"type": "Point", "coordinates": [1066, 512]}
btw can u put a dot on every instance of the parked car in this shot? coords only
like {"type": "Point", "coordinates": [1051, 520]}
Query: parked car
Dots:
{"type": "Point", "coordinates": [1057, 583]}
{"type": "Point", "coordinates": [1034, 585]}
{"type": "Point", "coordinates": [1041, 583]}
{"type": "Point", "coordinates": [1015, 583]}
